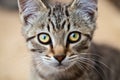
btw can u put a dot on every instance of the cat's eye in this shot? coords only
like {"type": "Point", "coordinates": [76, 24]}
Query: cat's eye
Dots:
{"type": "Point", "coordinates": [74, 37]}
{"type": "Point", "coordinates": [44, 38]}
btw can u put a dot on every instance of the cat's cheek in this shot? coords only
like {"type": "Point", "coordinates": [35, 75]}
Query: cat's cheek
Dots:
{"type": "Point", "coordinates": [29, 45]}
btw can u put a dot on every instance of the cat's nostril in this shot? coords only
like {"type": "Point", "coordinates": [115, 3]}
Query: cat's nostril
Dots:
{"type": "Point", "coordinates": [47, 56]}
{"type": "Point", "coordinates": [60, 58]}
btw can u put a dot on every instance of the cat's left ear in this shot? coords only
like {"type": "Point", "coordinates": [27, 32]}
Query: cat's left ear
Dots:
{"type": "Point", "coordinates": [86, 7]}
{"type": "Point", "coordinates": [29, 9]}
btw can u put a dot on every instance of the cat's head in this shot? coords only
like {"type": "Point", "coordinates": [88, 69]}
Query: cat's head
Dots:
{"type": "Point", "coordinates": [58, 35]}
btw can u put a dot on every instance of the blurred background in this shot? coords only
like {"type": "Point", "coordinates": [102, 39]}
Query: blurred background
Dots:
{"type": "Point", "coordinates": [14, 57]}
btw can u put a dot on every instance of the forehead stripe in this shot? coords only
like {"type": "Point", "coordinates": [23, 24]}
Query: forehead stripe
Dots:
{"type": "Point", "coordinates": [49, 13]}
{"type": "Point", "coordinates": [68, 26]}
{"type": "Point", "coordinates": [63, 24]}
{"type": "Point", "coordinates": [48, 27]}
{"type": "Point", "coordinates": [66, 12]}
{"type": "Point", "coordinates": [50, 22]}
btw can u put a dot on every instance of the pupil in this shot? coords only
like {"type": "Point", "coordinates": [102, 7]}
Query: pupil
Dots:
{"type": "Point", "coordinates": [74, 36]}
{"type": "Point", "coordinates": [44, 37]}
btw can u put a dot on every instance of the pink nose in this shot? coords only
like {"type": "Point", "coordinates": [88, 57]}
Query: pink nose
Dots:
{"type": "Point", "coordinates": [60, 58]}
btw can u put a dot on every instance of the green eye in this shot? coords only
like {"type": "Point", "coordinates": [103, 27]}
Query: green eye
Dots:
{"type": "Point", "coordinates": [44, 38]}
{"type": "Point", "coordinates": [74, 37]}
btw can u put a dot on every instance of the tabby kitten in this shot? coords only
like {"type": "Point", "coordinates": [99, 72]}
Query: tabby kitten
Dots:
{"type": "Point", "coordinates": [59, 37]}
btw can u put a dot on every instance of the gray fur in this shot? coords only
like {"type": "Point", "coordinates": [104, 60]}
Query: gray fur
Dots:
{"type": "Point", "coordinates": [58, 21]}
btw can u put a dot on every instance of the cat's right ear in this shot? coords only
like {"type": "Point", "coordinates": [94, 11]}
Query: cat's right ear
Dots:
{"type": "Point", "coordinates": [29, 9]}
{"type": "Point", "coordinates": [85, 7]}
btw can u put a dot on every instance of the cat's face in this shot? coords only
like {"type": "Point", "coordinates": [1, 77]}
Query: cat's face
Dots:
{"type": "Point", "coordinates": [60, 35]}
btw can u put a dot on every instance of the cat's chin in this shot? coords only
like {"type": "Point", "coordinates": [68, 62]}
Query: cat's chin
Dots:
{"type": "Point", "coordinates": [61, 72]}
{"type": "Point", "coordinates": [61, 67]}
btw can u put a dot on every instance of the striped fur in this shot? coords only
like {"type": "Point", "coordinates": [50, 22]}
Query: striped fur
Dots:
{"type": "Point", "coordinates": [58, 21]}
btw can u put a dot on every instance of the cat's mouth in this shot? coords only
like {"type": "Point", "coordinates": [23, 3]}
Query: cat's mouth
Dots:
{"type": "Point", "coordinates": [61, 66]}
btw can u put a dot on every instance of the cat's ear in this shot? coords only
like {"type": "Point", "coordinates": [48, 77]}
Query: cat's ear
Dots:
{"type": "Point", "coordinates": [87, 7]}
{"type": "Point", "coordinates": [29, 9]}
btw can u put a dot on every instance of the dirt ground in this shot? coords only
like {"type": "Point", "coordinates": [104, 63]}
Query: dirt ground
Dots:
{"type": "Point", "coordinates": [14, 57]}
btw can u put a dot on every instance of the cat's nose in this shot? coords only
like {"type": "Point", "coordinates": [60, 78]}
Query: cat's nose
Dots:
{"type": "Point", "coordinates": [60, 58]}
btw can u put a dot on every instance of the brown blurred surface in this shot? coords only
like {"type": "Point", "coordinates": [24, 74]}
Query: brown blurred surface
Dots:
{"type": "Point", "coordinates": [14, 57]}
{"type": "Point", "coordinates": [108, 30]}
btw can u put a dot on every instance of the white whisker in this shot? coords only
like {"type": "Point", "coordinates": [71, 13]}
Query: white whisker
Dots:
{"type": "Point", "coordinates": [91, 67]}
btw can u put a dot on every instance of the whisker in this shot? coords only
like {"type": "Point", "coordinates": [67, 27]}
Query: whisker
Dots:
{"type": "Point", "coordinates": [99, 62]}
{"type": "Point", "coordinates": [84, 65]}
{"type": "Point", "coordinates": [93, 58]}
{"type": "Point", "coordinates": [47, 58]}
{"type": "Point", "coordinates": [72, 57]}
{"type": "Point", "coordinates": [80, 66]}
{"type": "Point", "coordinates": [92, 67]}
{"type": "Point", "coordinates": [92, 55]}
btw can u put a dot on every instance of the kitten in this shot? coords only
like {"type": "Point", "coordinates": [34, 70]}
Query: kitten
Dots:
{"type": "Point", "coordinates": [59, 37]}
